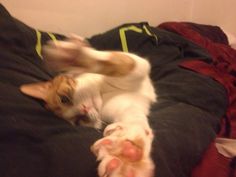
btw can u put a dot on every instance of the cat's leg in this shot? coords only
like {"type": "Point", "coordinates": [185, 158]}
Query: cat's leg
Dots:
{"type": "Point", "coordinates": [76, 55]}
{"type": "Point", "coordinates": [125, 150]}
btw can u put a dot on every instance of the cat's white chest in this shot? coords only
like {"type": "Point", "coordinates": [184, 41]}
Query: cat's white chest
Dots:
{"type": "Point", "coordinates": [116, 105]}
{"type": "Point", "coordinates": [119, 103]}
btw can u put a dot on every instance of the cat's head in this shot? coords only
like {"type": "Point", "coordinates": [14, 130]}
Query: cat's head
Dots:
{"type": "Point", "coordinates": [58, 95]}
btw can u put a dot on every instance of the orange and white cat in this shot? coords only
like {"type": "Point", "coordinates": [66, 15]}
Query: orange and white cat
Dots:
{"type": "Point", "coordinates": [103, 86]}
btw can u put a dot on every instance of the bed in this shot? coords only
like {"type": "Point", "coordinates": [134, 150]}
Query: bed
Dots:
{"type": "Point", "coordinates": [193, 71]}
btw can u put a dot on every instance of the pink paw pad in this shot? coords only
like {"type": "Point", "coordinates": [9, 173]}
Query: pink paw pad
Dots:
{"type": "Point", "coordinates": [115, 164]}
{"type": "Point", "coordinates": [106, 142]}
{"type": "Point", "coordinates": [112, 165]}
{"type": "Point", "coordinates": [130, 173]}
{"type": "Point", "coordinates": [131, 151]}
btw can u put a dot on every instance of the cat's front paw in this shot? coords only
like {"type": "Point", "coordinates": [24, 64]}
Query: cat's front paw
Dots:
{"type": "Point", "coordinates": [61, 55]}
{"type": "Point", "coordinates": [125, 151]}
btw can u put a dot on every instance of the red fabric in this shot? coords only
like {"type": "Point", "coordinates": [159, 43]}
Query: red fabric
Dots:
{"type": "Point", "coordinates": [222, 69]}
{"type": "Point", "coordinates": [214, 33]}
{"type": "Point", "coordinates": [216, 165]}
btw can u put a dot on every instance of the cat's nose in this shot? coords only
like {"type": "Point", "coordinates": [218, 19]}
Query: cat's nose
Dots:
{"type": "Point", "coordinates": [84, 110]}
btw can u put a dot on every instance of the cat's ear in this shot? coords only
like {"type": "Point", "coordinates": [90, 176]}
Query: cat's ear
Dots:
{"type": "Point", "coordinates": [36, 90]}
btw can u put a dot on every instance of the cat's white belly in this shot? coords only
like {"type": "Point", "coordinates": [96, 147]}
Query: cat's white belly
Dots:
{"type": "Point", "coordinates": [117, 105]}
{"type": "Point", "coordinates": [120, 104]}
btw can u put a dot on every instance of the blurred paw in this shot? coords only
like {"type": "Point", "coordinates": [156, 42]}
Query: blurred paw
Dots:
{"type": "Point", "coordinates": [125, 151]}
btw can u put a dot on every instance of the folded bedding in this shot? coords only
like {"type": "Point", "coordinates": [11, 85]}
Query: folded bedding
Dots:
{"type": "Point", "coordinates": [222, 69]}
{"type": "Point", "coordinates": [192, 103]}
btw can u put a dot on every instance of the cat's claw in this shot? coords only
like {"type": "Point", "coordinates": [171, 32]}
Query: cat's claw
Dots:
{"type": "Point", "coordinates": [123, 153]}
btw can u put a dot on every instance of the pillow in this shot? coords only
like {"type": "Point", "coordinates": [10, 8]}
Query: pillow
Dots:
{"type": "Point", "coordinates": [34, 142]}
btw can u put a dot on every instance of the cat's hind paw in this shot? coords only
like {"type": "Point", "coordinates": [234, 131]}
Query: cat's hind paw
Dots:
{"type": "Point", "coordinates": [124, 153]}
